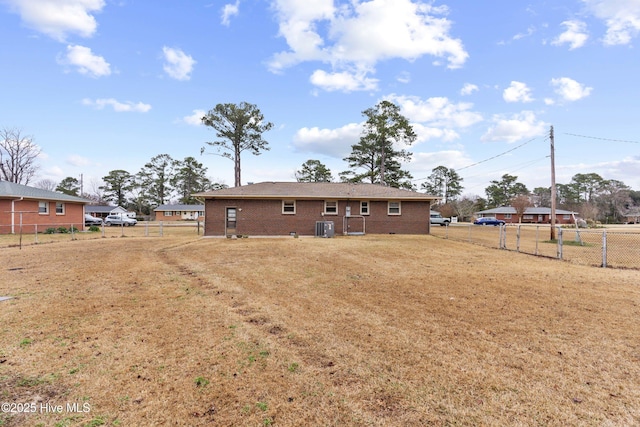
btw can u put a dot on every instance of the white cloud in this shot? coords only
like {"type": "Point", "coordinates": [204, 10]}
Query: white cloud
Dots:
{"type": "Point", "coordinates": [437, 111]}
{"type": "Point", "coordinates": [426, 133]}
{"type": "Point", "coordinates": [228, 11]}
{"type": "Point", "coordinates": [343, 81]}
{"type": "Point", "coordinates": [423, 163]}
{"type": "Point", "coordinates": [575, 35]}
{"type": "Point", "coordinates": [515, 128]}
{"type": "Point", "coordinates": [359, 34]}
{"type": "Point", "coordinates": [331, 142]}
{"type": "Point", "coordinates": [622, 18]}
{"type": "Point", "coordinates": [569, 89]}
{"type": "Point", "coordinates": [517, 92]}
{"type": "Point", "coordinates": [178, 64]}
{"type": "Point", "coordinates": [58, 18]}
{"type": "Point", "coordinates": [194, 119]}
{"type": "Point", "coordinates": [76, 160]}
{"type": "Point", "coordinates": [530, 31]}
{"type": "Point", "coordinates": [404, 77]}
{"type": "Point", "coordinates": [468, 89]}
{"type": "Point", "coordinates": [118, 107]}
{"type": "Point", "coordinates": [86, 62]}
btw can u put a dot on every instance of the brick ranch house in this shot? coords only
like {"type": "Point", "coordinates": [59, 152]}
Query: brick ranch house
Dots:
{"type": "Point", "coordinates": [37, 209]}
{"type": "Point", "coordinates": [294, 208]}
{"type": "Point", "coordinates": [531, 215]}
{"type": "Point", "coordinates": [178, 212]}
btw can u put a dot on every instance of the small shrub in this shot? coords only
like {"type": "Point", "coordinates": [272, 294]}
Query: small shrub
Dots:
{"type": "Point", "coordinates": [201, 382]}
{"type": "Point", "coordinates": [50, 230]}
{"type": "Point", "coordinates": [73, 229]}
{"type": "Point", "coordinates": [94, 228]}
{"type": "Point", "coordinates": [62, 230]}
{"type": "Point", "coordinates": [97, 421]}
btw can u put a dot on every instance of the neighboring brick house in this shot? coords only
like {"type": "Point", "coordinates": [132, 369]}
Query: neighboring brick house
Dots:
{"type": "Point", "coordinates": [288, 208]}
{"type": "Point", "coordinates": [632, 216]}
{"type": "Point", "coordinates": [178, 212]}
{"type": "Point", "coordinates": [37, 209]}
{"type": "Point", "coordinates": [531, 215]}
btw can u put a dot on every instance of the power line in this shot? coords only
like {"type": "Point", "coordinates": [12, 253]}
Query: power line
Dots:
{"type": "Point", "coordinates": [603, 139]}
{"type": "Point", "coordinates": [496, 156]}
{"type": "Point", "coordinates": [486, 160]}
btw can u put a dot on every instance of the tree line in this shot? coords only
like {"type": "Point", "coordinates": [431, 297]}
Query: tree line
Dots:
{"type": "Point", "coordinates": [590, 195]}
{"type": "Point", "coordinates": [376, 158]}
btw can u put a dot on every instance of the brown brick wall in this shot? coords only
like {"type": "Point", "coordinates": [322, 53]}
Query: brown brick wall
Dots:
{"type": "Point", "coordinates": [265, 217]}
{"type": "Point", "coordinates": [73, 215]}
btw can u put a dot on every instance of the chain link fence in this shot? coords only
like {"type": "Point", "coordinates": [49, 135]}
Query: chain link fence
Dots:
{"type": "Point", "coordinates": [602, 248]}
{"type": "Point", "coordinates": [37, 234]}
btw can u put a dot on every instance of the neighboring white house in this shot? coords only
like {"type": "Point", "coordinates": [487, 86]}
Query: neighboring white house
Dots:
{"type": "Point", "coordinates": [102, 211]}
{"type": "Point", "coordinates": [179, 212]}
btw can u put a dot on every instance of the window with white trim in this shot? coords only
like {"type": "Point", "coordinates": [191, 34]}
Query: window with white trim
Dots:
{"type": "Point", "coordinates": [168, 213]}
{"type": "Point", "coordinates": [527, 216]}
{"type": "Point", "coordinates": [393, 208]}
{"type": "Point", "coordinates": [566, 216]}
{"type": "Point", "coordinates": [59, 208]}
{"type": "Point", "coordinates": [289, 207]}
{"type": "Point", "coordinates": [364, 207]}
{"type": "Point", "coordinates": [43, 207]}
{"type": "Point", "coordinates": [507, 216]}
{"type": "Point", "coordinates": [331, 207]}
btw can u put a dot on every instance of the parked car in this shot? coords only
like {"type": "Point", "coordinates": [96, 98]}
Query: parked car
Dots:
{"type": "Point", "coordinates": [436, 218]}
{"type": "Point", "coordinates": [92, 220]}
{"type": "Point", "coordinates": [119, 220]}
{"type": "Point", "coordinates": [489, 220]}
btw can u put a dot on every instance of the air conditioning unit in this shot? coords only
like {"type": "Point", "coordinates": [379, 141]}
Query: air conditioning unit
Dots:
{"type": "Point", "coordinates": [325, 229]}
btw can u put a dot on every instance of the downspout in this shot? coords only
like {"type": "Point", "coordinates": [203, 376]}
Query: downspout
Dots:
{"type": "Point", "coordinates": [13, 213]}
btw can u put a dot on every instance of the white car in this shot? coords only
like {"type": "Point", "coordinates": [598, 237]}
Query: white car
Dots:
{"type": "Point", "coordinates": [92, 220]}
{"type": "Point", "coordinates": [436, 218]}
{"type": "Point", "coordinates": [119, 220]}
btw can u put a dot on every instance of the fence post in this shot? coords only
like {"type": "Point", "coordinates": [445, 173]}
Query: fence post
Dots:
{"type": "Point", "coordinates": [161, 224]}
{"type": "Point", "coordinates": [518, 238]}
{"type": "Point", "coordinates": [470, 233]}
{"type": "Point", "coordinates": [36, 227]}
{"type": "Point", "coordinates": [146, 229]}
{"type": "Point", "coordinates": [604, 249]}
{"type": "Point", "coordinates": [537, 238]}
{"type": "Point", "coordinates": [559, 243]}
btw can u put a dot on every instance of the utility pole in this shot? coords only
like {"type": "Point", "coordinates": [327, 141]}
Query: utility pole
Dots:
{"type": "Point", "coordinates": [553, 186]}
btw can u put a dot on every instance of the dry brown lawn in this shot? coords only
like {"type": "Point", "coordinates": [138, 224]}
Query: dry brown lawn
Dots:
{"type": "Point", "coordinates": [372, 330]}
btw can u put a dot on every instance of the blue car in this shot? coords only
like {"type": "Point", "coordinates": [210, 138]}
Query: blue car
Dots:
{"type": "Point", "coordinates": [489, 220]}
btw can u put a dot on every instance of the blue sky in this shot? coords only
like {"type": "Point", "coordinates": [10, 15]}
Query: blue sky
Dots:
{"type": "Point", "coordinates": [108, 84]}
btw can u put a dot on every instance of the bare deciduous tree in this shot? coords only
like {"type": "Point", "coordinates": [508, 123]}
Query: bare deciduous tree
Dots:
{"type": "Point", "coordinates": [18, 155]}
{"type": "Point", "coordinates": [46, 184]}
{"type": "Point", "coordinates": [520, 203]}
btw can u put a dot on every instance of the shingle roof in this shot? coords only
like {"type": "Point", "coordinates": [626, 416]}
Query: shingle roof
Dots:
{"type": "Point", "coordinates": [315, 190]}
{"type": "Point", "coordinates": [104, 209]}
{"type": "Point", "coordinates": [13, 190]}
{"type": "Point", "coordinates": [527, 211]}
{"type": "Point", "coordinates": [184, 208]}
